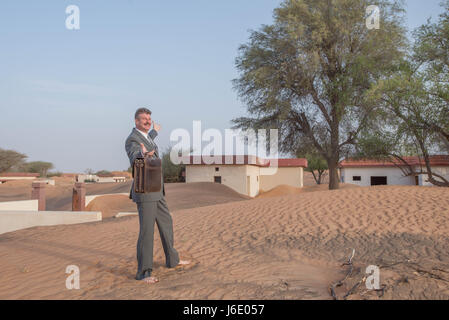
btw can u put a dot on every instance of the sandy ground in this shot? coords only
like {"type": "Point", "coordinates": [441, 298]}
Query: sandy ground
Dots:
{"type": "Point", "coordinates": [284, 247]}
{"type": "Point", "coordinates": [59, 196]}
{"type": "Point", "coordinates": [309, 186]}
{"type": "Point", "coordinates": [110, 205]}
{"type": "Point", "coordinates": [287, 190]}
{"type": "Point", "coordinates": [21, 189]}
{"type": "Point", "coordinates": [178, 196]}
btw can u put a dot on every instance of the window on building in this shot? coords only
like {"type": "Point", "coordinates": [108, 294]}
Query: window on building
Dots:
{"type": "Point", "coordinates": [217, 179]}
{"type": "Point", "coordinates": [217, 169]}
{"type": "Point", "coordinates": [356, 178]}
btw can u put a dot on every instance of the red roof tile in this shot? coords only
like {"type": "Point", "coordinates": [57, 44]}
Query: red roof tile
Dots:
{"type": "Point", "coordinates": [437, 160]}
{"type": "Point", "coordinates": [297, 162]}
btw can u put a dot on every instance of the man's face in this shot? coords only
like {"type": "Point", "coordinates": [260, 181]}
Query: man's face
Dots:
{"type": "Point", "coordinates": [143, 122]}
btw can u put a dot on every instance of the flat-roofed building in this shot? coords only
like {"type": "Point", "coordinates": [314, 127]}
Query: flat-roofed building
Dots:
{"type": "Point", "coordinates": [369, 172]}
{"type": "Point", "coordinates": [246, 174]}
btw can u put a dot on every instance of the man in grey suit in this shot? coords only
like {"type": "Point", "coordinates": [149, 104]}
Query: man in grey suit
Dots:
{"type": "Point", "coordinates": [152, 206]}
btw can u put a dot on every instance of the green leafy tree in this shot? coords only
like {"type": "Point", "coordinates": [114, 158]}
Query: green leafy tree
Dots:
{"type": "Point", "coordinates": [40, 167]}
{"type": "Point", "coordinates": [317, 165]}
{"type": "Point", "coordinates": [431, 54]}
{"type": "Point", "coordinates": [172, 172]}
{"type": "Point", "coordinates": [308, 73]}
{"type": "Point", "coordinates": [10, 160]}
{"type": "Point", "coordinates": [413, 118]}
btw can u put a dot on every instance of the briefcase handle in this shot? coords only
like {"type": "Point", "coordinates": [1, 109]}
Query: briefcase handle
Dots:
{"type": "Point", "coordinates": [155, 163]}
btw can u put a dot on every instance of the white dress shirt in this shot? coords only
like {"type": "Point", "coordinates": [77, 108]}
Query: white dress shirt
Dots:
{"type": "Point", "coordinates": [144, 134]}
{"type": "Point", "coordinates": [146, 137]}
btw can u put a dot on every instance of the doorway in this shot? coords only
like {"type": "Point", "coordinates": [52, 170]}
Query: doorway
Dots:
{"type": "Point", "coordinates": [378, 181]}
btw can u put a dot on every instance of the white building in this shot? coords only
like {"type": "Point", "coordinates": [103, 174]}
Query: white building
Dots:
{"type": "Point", "coordinates": [102, 178]}
{"type": "Point", "coordinates": [372, 172]}
{"type": "Point", "coordinates": [248, 175]}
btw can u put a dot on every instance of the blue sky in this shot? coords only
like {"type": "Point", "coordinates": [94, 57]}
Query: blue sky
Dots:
{"type": "Point", "coordinates": [69, 96]}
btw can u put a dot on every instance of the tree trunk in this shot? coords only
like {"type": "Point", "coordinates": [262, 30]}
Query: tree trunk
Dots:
{"type": "Point", "coordinates": [320, 174]}
{"type": "Point", "coordinates": [432, 180]}
{"type": "Point", "coordinates": [334, 182]}
{"type": "Point", "coordinates": [316, 180]}
{"type": "Point", "coordinates": [334, 157]}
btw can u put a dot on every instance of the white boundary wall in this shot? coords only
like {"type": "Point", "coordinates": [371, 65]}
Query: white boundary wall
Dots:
{"type": "Point", "coordinates": [22, 205]}
{"type": "Point", "coordinates": [17, 220]}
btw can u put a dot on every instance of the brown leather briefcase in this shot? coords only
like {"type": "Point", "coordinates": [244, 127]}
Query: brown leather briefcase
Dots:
{"type": "Point", "coordinates": [147, 174]}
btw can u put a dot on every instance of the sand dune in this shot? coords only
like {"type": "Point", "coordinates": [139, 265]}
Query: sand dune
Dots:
{"type": "Point", "coordinates": [21, 189]}
{"type": "Point", "coordinates": [110, 205]}
{"type": "Point", "coordinates": [283, 190]}
{"type": "Point", "coordinates": [58, 197]}
{"type": "Point", "coordinates": [285, 247]}
{"type": "Point", "coordinates": [178, 196]}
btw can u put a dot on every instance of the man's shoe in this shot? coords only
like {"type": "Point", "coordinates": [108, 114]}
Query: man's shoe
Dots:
{"type": "Point", "coordinates": [145, 274]}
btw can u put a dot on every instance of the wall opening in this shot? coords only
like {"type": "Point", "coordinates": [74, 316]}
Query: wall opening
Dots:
{"type": "Point", "coordinates": [378, 181]}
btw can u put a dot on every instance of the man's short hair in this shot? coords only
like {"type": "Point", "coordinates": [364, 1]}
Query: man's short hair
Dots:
{"type": "Point", "coordinates": [140, 111]}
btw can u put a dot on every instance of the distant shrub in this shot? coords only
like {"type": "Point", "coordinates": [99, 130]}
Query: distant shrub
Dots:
{"type": "Point", "coordinates": [103, 173]}
{"type": "Point", "coordinates": [54, 174]}
{"type": "Point", "coordinates": [172, 172]}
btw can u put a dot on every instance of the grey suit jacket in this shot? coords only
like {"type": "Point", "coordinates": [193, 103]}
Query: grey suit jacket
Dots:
{"type": "Point", "coordinates": [133, 149]}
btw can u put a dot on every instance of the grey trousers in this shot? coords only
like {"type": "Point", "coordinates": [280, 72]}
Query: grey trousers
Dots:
{"type": "Point", "coordinates": [149, 213]}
